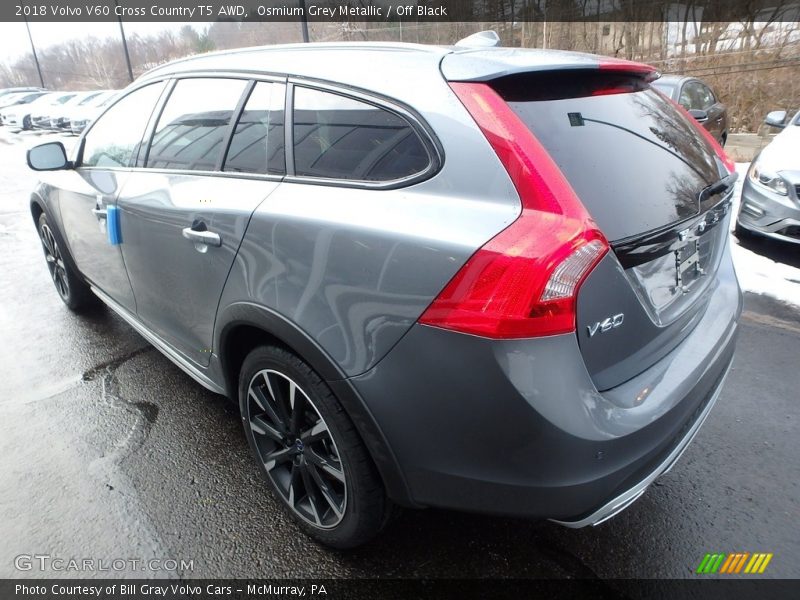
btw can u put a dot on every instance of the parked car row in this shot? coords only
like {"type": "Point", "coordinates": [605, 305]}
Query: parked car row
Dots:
{"type": "Point", "coordinates": [33, 108]}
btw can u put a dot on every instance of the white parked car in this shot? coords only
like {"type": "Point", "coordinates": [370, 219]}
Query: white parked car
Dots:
{"type": "Point", "coordinates": [20, 115]}
{"type": "Point", "coordinates": [9, 100]}
{"type": "Point", "coordinates": [87, 112]}
{"type": "Point", "coordinates": [61, 118]}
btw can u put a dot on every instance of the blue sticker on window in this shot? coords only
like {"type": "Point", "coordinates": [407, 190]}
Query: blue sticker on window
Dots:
{"type": "Point", "coordinates": [112, 225]}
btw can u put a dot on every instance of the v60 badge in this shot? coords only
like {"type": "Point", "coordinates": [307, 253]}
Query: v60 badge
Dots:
{"type": "Point", "coordinates": [605, 325]}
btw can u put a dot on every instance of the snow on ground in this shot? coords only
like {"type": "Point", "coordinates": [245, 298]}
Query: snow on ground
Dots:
{"type": "Point", "coordinates": [759, 274]}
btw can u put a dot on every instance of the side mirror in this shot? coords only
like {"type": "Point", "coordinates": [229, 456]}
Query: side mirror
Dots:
{"type": "Point", "coordinates": [777, 118]}
{"type": "Point", "coordinates": [48, 157]}
{"type": "Point", "coordinates": [699, 115]}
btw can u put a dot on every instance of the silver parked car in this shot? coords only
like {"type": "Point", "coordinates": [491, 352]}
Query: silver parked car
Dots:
{"type": "Point", "coordinates": [770, 203]}
{"type": "Point", "coordinates": [441, 294]}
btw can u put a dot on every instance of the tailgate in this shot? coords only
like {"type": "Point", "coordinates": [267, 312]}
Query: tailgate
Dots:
{"type": "Point", "coordinates": [650, 179]}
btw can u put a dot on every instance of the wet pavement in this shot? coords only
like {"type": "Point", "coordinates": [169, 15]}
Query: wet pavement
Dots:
{"type": "Point", "coordinates": [109, 451]}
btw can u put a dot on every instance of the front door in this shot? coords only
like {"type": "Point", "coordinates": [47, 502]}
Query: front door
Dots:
{"type": "Point", "coordinates": [184, 214]}
{"type": "Point", "coordinates": [89, 191]}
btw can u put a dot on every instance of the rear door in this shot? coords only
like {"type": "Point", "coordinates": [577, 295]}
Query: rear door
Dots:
{"type": "Point", "coordinates": [184, 213]}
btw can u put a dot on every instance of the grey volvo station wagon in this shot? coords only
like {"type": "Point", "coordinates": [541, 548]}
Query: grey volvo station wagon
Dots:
{"type": "Point", "coordinates": [484, 279]}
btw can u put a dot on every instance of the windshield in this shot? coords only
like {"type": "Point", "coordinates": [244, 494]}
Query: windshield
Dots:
{"type": "Point", "coordinates": [88, 98]}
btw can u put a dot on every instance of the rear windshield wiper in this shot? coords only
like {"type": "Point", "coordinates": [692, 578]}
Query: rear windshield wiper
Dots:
{"type": "Point", "coordinates": [720, 187]}
{"type": "Point", "coordinates": [577, 119]}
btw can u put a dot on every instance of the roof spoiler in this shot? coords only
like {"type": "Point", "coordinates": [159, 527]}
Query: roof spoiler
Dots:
{"type": "Point", "coordinates": [483, 63]}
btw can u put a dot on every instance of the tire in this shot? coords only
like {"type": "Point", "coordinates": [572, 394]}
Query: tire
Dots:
{"type": "Point", "coordinates": [309, 451]}
{"type": "Point", "coordinates": [26, 123]}
{"type": "Point", "coordinates": [68, 283]}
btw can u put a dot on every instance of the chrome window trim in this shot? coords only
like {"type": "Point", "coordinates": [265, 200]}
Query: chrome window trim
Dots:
{"type": "Point", "coordinates": [421, 128]}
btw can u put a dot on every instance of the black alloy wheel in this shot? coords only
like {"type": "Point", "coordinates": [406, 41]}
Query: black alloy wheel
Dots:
{"type": "Point", "coordinates": [71, 287]}
{"type": "Point", "coordinates": [55, 262]}
{"type": "Point", "coordinates": [296, 448]}
{"type": "Point", "coordinates": [309, 451]}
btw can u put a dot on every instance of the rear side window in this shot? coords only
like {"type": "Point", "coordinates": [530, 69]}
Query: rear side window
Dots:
{"type": "Point", "coordinates": [258, 141]}
{"type": "Point", "coordinates": [337, 137]}
{"type": "Point", "coordinates": [115, 137]}
{"type": "Point", "coordinates": [192, 127]}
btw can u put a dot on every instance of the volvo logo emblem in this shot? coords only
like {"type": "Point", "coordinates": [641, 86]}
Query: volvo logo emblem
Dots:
{"type": "Point", "coordinates": [605, 325]}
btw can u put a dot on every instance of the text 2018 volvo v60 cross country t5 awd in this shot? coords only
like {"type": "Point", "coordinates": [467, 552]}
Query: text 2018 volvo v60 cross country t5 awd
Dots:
{"type": "Point", "coordinates": [485, 279]}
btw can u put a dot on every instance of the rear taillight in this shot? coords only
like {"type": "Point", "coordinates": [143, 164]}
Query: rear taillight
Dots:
{"type": "Point", "coordinates": [524, 281]}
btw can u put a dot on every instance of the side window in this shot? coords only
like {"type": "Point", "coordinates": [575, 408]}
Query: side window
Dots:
{"type": "Point", "coordinates": [193, 125]}
{"type": "Point", "coordinates": [688, 98]}
{"type": "Point", "coordinates": [343, 138]}
{"type": "Point", "coordinates": [115, 138]}
{"type": "Point", "coordinates": [706, 96]}
{"type": "Point", "coordinates": [696, 96]}
{"type": "Point", "coordinates": [257, 143]}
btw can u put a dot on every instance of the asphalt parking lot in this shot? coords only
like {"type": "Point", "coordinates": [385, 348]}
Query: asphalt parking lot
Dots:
{"type": "Point", "coordinates": [109, 451]}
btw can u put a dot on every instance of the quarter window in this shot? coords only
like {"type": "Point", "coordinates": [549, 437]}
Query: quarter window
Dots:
{"type": "Point", "coordinates": [258, 141]}
{"type": "Point", "coordinates": [194, 123]}
{"type": "Point", "coordinates": [115, 138]}
{"type": "Point", "coordinates": [343, 138]}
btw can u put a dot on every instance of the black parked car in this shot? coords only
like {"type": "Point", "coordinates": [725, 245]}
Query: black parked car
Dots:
{"type": "Point", "coordinates": [700, 100]}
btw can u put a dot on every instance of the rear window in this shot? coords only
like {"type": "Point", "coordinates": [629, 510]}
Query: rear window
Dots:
{"type": "Point", "coordinates": [636, 162]}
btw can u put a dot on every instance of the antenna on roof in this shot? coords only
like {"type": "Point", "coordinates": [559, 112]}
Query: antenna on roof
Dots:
{"type": "Point", "coordinates": [482, 39]}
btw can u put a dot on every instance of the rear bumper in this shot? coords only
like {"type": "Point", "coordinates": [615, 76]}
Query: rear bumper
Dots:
{"type": "Point", "coordinates": [769, 214]}
{"type": "Point", "coordinates": [629, 496]}
{"type": "Point", "coordinates": [517, 427]}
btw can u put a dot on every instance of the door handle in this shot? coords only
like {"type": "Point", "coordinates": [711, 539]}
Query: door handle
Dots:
{"type": "Point", "coordinates": [209, 238]}
{"type": "Point", "coordinates": [100, 213]}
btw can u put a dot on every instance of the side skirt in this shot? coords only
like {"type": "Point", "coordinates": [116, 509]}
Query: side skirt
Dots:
{"type": "Point", "coordinates": [160, 344]}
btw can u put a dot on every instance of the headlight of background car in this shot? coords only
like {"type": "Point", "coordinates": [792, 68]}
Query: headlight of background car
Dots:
{"type": "Point", "coordinates": [763, 177]}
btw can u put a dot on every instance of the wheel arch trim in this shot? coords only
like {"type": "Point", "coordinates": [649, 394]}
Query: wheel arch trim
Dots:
{"type": "Point", "coordinates": [275, 325]}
